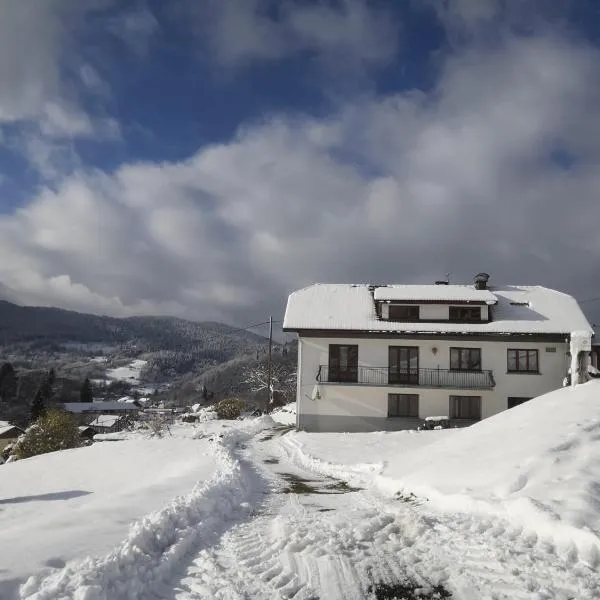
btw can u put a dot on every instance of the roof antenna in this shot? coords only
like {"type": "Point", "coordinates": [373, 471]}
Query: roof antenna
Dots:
{"type": "Point", "coordinates": [444, 281]}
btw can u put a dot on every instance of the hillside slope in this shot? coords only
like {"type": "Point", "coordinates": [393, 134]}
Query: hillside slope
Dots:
{"type": "Point", "coordinates": [19, 324]}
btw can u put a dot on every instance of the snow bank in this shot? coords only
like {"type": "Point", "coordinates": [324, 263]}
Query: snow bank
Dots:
{"type": "Point", "coordinates": [156, 544]}
{"type": "Point", "coordinates": [64, 505]}
{"type": "Point", "coordinates": [537, 464]}
{"type": "Point", "coordinates": [286, 415]}
{"type": "Point", "coordinates": [356, 455]}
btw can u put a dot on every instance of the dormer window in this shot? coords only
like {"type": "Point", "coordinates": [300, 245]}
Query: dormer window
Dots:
{"type": "Point", "coordinates": [406, 312]}
{"type": "Point", "coordinates": [465, 313]}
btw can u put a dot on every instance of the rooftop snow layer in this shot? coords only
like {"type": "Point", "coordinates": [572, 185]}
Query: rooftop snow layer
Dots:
{"type": "Point", "coordinates": [8, 428]}
{"type": "Point", "coordinates": [520, 309]}
{"type": "Point", "coordinates": [440, 293]}
{"type": "Point", "coordinates": [105, 420]}
{"type": "Point", "coordinates": [79, 407]}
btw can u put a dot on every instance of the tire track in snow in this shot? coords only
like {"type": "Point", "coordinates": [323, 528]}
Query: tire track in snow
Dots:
{"type": "Point", "coordinates": [158, 544]}
{"type": "Point", "coordinates": [478, 557]}
{"type": "Point", "coordinates": [306, 546]}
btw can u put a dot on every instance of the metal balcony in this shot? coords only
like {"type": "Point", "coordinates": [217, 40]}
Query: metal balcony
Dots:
{"type": "Point", "coordinates": [427, 378]}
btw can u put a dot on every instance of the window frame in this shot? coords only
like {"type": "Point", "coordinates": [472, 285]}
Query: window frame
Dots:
{"type": "Point", "coordinates": [517, 360]}
{"type": "Point", "coordinates": [348, 373]}
{"type": "Point", "coordinates": [474, 401]}
{"type": "Point", "coordinates": [415, 308]}
{"type": "Point", "coordinates": [464, 318]}
{"type": "Point", "coordinates": [409, 375]}
{"type": "Point", "coordinates": [460, 350]}
{"type": "Point", "coordinates": [412, 406]}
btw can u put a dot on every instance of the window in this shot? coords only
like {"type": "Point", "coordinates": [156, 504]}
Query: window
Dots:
{"type": "Point", "coordinates": [465, 407]}
{"type": "Point", "coordinates": [522, 361]}
{"type": "Point", "coordinates": [465, 313]}
{"type": "Point", "coordinates": [513, 401]}
{"type": "Point", "coordinates": [403, 405]}
{"type": "Point", "coordinates": [465, 359]}
{"type": "Point", "coordinates": [343, 363]}
{"type": "Point", "coordinates": [398, 312]}
{"type": "Point", "coordinates": [403, 365]}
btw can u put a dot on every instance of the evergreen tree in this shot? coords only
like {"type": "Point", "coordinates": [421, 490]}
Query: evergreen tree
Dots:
{"type": "Point", "coordinates": [86, 394]}
{"type": "Point", "coordinates": [42, 397]}
{"type": "Point", "coordinates": [38, 406]}
{"type": "Point", "coordinates": [51, 379]}
{"type": "Point", "coordinates": [8, 383]}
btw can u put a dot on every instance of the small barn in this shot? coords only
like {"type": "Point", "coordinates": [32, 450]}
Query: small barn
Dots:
{"type": "Point", "coordinates": [109, 423]}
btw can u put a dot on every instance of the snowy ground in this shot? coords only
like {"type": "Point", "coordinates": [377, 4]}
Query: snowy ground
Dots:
{"type": "Point", "coordinates": [507, 509]}
{"type": "Point", "coordinates": [63, 505]}
{"type": "Point", "coordinates": [129, 373]}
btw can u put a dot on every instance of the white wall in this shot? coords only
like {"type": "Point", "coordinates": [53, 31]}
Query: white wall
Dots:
{"type": "Point", "coordinates": [433, 312]}
{"type": "Point", "coordinates": [371, 401]}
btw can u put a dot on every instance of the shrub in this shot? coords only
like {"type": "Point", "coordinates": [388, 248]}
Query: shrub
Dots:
{"type": "Point", "coordinates": [230, 408]}
{"type": "Point", "coordinates": [56, 430]}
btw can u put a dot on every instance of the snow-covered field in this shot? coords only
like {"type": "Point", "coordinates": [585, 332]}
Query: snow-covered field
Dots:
{"type": "Point", "coordinates": [130, 373]}
{"type": "Point", "coordinates": [506, 509]}
{"type": "Point", "coordinates": [59, 506]}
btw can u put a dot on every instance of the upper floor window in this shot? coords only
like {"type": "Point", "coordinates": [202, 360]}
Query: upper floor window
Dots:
{"type": "Point", "coordinates": [465, 359]}
{"type": "Point", "coordinates": [343, 362]}
{"type": "Point", "coordinates": [522, 361]}
{"type": "Point", "coordinates": [403, 312]}
{"type": "Point", "coordinates": [465, 313]}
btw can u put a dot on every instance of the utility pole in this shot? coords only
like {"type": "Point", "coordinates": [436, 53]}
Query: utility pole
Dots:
{"type": "Point", "coordinates": [269, 387]}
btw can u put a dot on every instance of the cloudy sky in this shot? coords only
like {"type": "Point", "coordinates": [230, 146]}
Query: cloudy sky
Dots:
{"type": "Point", "coordinates": [203, 158]}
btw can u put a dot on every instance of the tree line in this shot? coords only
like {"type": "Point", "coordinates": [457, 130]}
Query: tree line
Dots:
{"type": "Point", "coordinates": [18, 401]}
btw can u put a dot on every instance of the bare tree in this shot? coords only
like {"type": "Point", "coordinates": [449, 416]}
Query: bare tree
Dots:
{"type": "Point", "coordinates": [283, 383]}
{"type": "Point", "coordinates": [158, 424]}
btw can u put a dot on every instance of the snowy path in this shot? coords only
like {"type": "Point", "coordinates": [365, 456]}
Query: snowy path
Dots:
{"type": "Point", "coordinates": [310, 536]}
{"type": "Point", "coordinates": [270, 526]}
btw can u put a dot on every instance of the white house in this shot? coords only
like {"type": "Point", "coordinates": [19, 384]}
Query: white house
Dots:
{"type": "Point", "coordinates": [381, 357]}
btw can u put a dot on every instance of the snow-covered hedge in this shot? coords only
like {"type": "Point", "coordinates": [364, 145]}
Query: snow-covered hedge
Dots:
{"type": "Point", "coordinates": [57, 430]}
{"type": "Point", "coordinates": [230, 408]}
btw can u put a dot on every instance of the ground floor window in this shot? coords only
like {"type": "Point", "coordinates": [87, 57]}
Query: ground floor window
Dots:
{"type": "Point", "coordinates": [514, 401]}
{"type": "Point", "coordinates": [403, 405]}
{"type": "Point", "coordinates": [465, 407]}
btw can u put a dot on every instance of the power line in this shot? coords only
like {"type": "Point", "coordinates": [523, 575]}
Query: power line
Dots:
{"type": "Point", "coordinates": [589, 300]}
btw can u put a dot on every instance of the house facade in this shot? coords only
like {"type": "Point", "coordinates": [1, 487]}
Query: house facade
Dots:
{"type": "Point", "coordinates": [386, 357]}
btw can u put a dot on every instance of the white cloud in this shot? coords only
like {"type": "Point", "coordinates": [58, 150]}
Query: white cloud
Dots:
{"type": "Point", "coordinates": [402, 188]}
{"type": "Point", "coordinates": [135, 28]}
{"type": "Point", "coordinates": [41, 74]}
{"type": "Point", "coordinates": [348, 32]}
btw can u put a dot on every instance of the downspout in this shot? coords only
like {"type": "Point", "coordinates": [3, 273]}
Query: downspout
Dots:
{"type": "Point", "coordinates": [299, 383]}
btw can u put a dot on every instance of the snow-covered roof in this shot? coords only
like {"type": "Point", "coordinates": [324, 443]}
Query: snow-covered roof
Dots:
{"type": "Point", "coordinates": [436, 293]}
{"type": "Point", "coordinates": [520, 309]}
{"type": "Point", "coordinates": [79, 407]}
{"type": "Point", "coordinates": [8, 428]}
{"type": "Point", "coordinates": [105, 420]}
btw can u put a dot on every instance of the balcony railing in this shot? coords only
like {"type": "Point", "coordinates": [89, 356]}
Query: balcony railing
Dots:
{"type": "Point", "coordinates": [432, 378]}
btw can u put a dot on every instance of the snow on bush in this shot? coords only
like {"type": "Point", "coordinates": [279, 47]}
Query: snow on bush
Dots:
{"type": "Point", "coordinates": [230, 408]}
{"type": "Point", "coordinates": [56, 430]}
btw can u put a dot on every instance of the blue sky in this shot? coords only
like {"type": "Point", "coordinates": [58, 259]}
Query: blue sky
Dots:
{"type": "Point", "coordinates": [204, 158]}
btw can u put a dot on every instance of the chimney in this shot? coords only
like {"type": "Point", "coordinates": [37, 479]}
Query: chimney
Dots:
{"type": "Point", "coordinates": [481, 280]}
